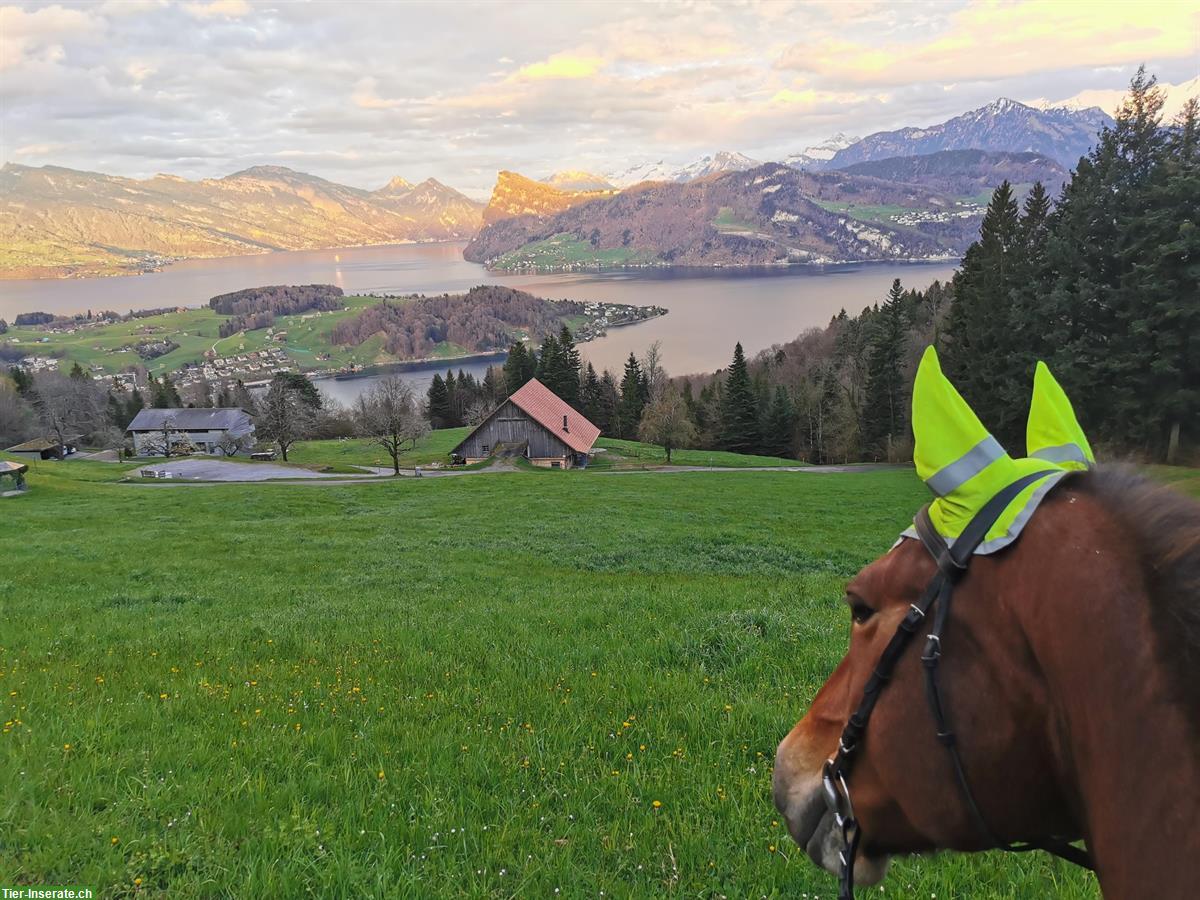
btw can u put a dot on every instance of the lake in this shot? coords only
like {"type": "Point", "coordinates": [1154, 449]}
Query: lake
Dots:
{"type": "Point", "coordinates": [710, 309]}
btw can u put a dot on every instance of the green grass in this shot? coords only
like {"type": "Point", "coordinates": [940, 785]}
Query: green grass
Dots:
{"type": "Point", "coordinates": [435, 447]}
{"type": "Point", "coordinates": [626, 454]}
{"type": "Point", "coordinates": [564, 250]}
{"type": "Point", "coordinates": [881, 214]}
{"type": "Point", "coordinates": [726, 221]}
{"type": "Point", "coordinates": [442, 687]}
{"type": "Point", "coordinates": [196, 330]}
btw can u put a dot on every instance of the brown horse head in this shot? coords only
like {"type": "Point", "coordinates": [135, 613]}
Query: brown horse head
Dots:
{"type": "Point", "coordinates": [1070, 665]}
{"type": "Point", "coordinates": [1070, 672]}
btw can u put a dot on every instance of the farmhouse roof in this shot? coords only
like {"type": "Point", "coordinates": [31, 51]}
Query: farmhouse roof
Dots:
{"type": "Point", "coordinates": [189, 419]}
{"type": "Point", "coordinates": [37, 445]}
{"type": "Point", "coordinates": [550, 411]}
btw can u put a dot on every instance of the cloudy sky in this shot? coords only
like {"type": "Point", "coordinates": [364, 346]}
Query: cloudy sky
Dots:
{"type": "Point", "coordinates": [361, 91]}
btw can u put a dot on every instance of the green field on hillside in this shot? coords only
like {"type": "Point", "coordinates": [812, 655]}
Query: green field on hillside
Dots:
{"type": "Point", "coordinates": [565, 250]}
{"type": "Point", "coordinates": [507, 685]}
{"type": "Point", "coordinates": [727, 222]}
{"type": "Point", "coordinates": [434, 447]}
{"type": "Point", "coordinates": [881, 214]}
{"type": "Point", "coordinates": [196, 330]}
{"type": "Point", "coordinates": [625, 454]}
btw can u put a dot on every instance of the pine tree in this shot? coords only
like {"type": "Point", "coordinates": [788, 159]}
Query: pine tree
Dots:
{"type": "Point", "coordinates": [979, 337]}
{"type": "Point", "coordinates": [569, 368]}
{"type": "Point", "coordinates": [883, 409]}
{"type": "Point", "coordinates": [633, 399]}
{"type": "Point", "coordinates": [549, 363]}
{"type": "Point", "coordinates": [78, 374]}
{"type": "Point", "coordinates": [739, 409]}
{"type": "Point", "coordinates": [452, 417]}
{"type": "Point", "coordinates": [780, 425]}
{"type": "Point", "coordinates": [517, 368]}
{"type": "Point", "coordinates": [609, 410]}
{"type": "Point", "coordinates": [491, 385]}
{"type": "Point", "coordinates": [439, 402]}
{"type": "Point", "coordinates": [589, 396]}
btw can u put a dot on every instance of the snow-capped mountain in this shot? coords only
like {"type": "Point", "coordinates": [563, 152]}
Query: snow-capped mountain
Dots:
{"type": "Point", "coordinates": [718, 163]}
{"type": "Point", "coordinates": [1061, 134]}
{"type": "Point", "coordinates": [1176, 95]}
{"type": "Point", "coordinates": [816, 156]}
{"type": "Point", "coordinates": [714, 164]}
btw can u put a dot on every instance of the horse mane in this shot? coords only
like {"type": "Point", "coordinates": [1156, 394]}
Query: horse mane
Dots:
{"type": "Point", "coordinates": [1165, 524]}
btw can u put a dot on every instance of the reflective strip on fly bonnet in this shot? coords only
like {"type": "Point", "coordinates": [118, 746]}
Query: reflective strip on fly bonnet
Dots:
{"type": "Point", "coordinates": [1053, 433]}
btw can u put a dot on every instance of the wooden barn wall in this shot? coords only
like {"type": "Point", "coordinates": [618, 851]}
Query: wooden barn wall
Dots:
{"type": "Point", "coordinates": [510, 425]}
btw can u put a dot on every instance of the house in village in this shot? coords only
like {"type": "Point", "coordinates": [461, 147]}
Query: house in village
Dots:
{"type": "Point", "coordinates": [534, 423]}
{"type": "Point", "coordinates": [203, 429]}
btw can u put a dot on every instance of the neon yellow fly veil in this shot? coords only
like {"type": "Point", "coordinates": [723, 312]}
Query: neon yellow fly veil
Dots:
{"type": "Point", "coordinates": [964, 466]}
{"type": "Point", "coordinates": [1053, 433]}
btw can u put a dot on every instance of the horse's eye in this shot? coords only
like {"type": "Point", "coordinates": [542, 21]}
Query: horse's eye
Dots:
{"type": "Point", "coordinates": [860, 612]}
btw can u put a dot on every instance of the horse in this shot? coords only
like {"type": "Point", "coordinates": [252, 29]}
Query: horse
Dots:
{"type": "Point", "coordinates": [1071, 677]}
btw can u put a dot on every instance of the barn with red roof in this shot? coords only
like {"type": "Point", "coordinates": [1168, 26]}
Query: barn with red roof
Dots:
{"type": "Point", "coordinates": [534, 423]}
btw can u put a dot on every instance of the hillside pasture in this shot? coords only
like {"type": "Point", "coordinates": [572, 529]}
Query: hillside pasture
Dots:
{"type": "Point", "coordinates": [498, 686]}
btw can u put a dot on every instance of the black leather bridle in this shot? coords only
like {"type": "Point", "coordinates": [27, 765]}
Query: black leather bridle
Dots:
{"type": "Point", "coordinates": [952, 562]}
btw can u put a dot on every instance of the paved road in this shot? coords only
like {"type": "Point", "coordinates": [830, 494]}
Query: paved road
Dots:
{"type": "Point", "coordinates": [198, 472]}
{"type": "Point", "coordinates": [216, 469]}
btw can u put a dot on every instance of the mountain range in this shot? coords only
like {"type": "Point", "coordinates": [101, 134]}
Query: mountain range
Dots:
{"type": "Point", "coordinates": [1059, 133]}
{"type": "Point", "coordinates": [58, 222]}
{"type": "Point", "coordinates": [901, 209]}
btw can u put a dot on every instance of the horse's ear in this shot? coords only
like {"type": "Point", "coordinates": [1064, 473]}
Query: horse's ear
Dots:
{"type": "Point", "coordinates": [965, 466]}
{"type": "Point", "coordinates": [951, 445]}
{"type": "Point", "coordinates": [1053, 433]}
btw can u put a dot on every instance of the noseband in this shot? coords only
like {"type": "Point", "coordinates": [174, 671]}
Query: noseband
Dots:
{"type": "Point", "coordinates": [952, 563]}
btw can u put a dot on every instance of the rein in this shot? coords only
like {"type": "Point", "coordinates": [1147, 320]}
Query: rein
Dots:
{"type": "Point", "coordinates": [952, 563]}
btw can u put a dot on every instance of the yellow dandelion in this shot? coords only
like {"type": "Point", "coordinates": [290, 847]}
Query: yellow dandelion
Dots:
{"type": "Point", "coordinates": [381, 775]}
{"type": "Point", "coordinates": [162, 696]}
{"type": "Point", "coordinates": [771, 848]}
{"type": "Point", "coordinates": [137, 882]}
{"type": "Point", "coordinates": [66, 746]}
{"type": "Point", "coordinates": [657, 804]}
{"type": "Point", "coordinates": [116, 840]}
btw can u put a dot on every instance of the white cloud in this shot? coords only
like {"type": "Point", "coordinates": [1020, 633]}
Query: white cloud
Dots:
{"type": "Point", "coordinates": [203, 88]}
{"type": "Point", "coordinates": [222, 9]}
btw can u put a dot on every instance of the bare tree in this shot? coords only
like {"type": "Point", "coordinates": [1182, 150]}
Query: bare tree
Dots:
{"type": "Point", "coordinates": [166, 441]}
{"type": "Point", "coordinates": [68, 408]}
{"type": "Point", "coordinates": [233, 444]}
{"type": "Point", "coordinates": [17, 419]}
{"type": "Point", "coordinates": [390, 416]}
{"type": "Point", "coordinates": [666, 421]}
{"type": "Point", "coordinates": [284, 416]}
{"type": "Point", "coordinates": [477, 411]}
{"type": "Point", "coordinates": [656, 375]}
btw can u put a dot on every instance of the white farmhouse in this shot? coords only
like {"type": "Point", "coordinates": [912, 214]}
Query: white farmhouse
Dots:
{"type": "Point", "coordinates": [204, 429]}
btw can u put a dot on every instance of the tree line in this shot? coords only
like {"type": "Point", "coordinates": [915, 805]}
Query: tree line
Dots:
{"type": "Point", "coordinates": [479, 321]}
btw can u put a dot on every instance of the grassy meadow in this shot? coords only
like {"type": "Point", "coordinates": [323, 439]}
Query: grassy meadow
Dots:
{"type": "Point", "coordinates": [196, 330]}
{"type": "Point", "coordinates": [565, 250]}
{"type": "Point", "coordinates": [511, 685]}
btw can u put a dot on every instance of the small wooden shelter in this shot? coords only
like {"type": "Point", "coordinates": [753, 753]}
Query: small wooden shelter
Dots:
{"type": "Point", "coordinates": [534, 423]}
{"type": "Point", "coordinates": [16, 471]}
{"type": "Point", "coordinates": [42, 448]}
